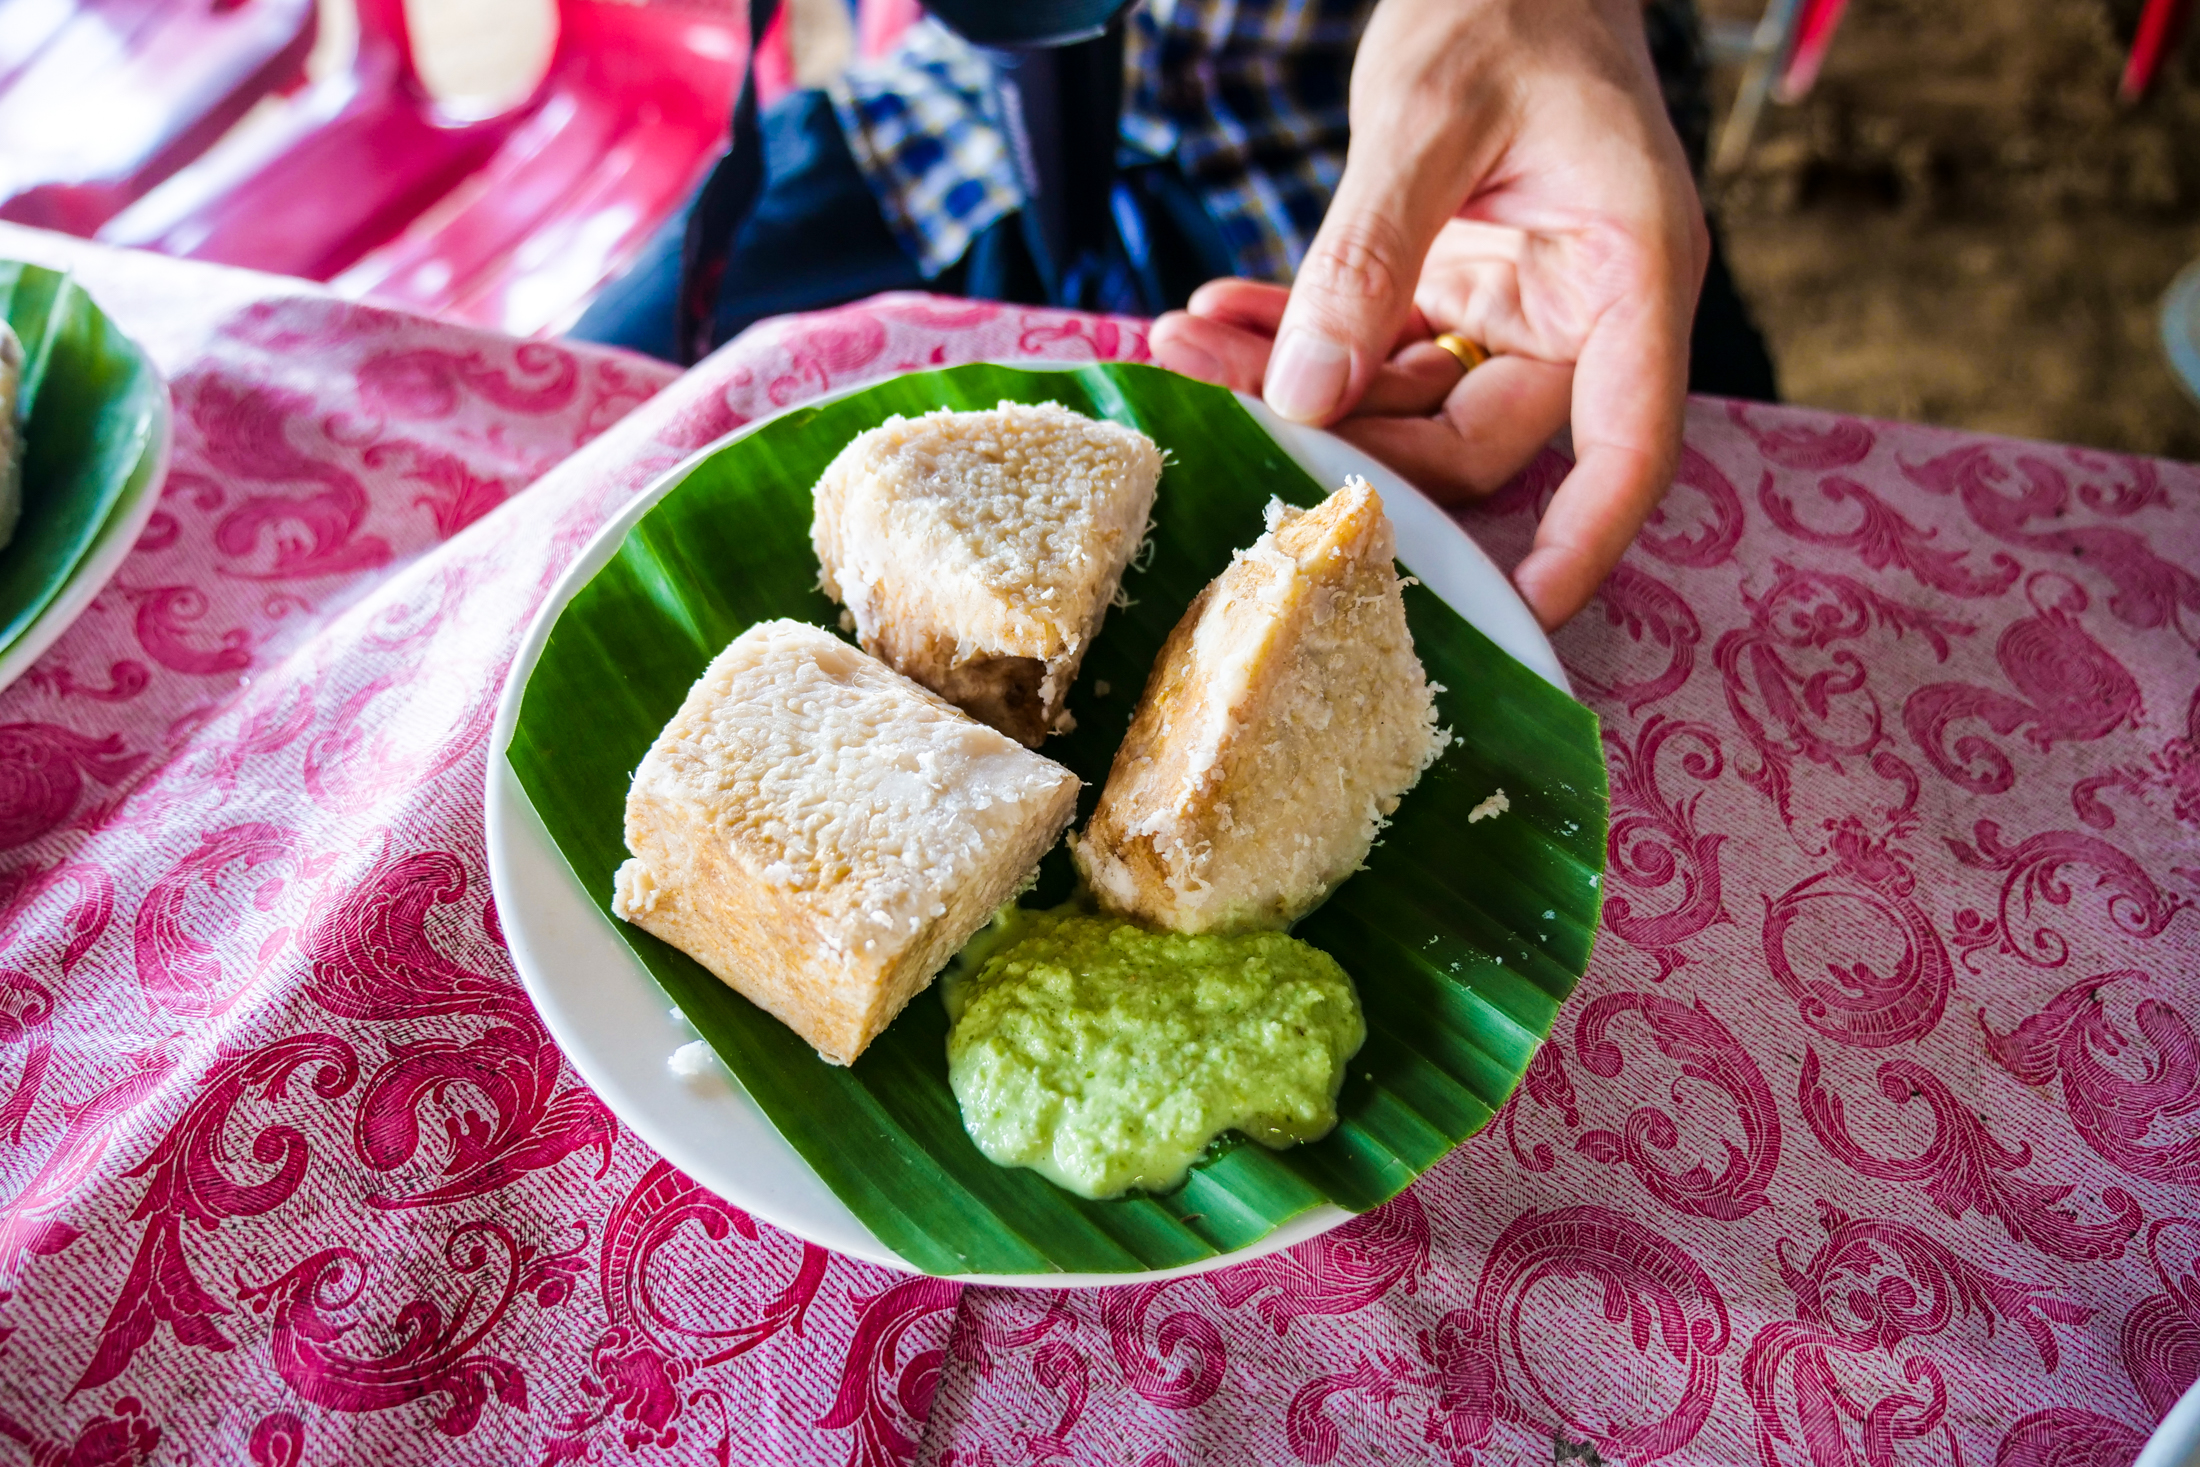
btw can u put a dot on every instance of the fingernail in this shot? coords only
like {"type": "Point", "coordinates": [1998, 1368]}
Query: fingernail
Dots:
{"type": "Point", "coordinates": [1307, 375]}
{"type": "Point", "coordinates": [1187, 359]}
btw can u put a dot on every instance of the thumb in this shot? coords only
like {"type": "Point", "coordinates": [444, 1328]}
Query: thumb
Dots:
{"type": "Point", "coordinates": [1352, 295]}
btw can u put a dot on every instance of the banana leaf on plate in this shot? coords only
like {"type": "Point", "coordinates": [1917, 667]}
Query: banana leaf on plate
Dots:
{"type": "Point", "coordinates": [1463, 938]}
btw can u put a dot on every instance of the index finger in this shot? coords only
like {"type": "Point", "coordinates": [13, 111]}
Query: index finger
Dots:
{"type": "Point", "coordinates": [1257, 306]}
{"type": "Point", "coordinates": [1630, 394]}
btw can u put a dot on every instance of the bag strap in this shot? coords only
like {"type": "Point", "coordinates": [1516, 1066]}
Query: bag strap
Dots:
{"type": "Point", "coordinates": [729, 196]}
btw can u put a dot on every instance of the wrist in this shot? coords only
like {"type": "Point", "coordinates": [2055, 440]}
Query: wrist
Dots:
{"type": "Point", "coordinates": [1434, 75]}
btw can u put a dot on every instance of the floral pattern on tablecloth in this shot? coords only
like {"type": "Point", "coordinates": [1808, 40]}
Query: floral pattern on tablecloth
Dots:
{"type": "Point", "coordinates": [1873, 1135]}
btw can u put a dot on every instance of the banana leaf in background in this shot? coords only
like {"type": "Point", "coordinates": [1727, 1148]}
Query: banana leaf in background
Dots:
{"type": "Point", "coordinates": [1463, 939]}
{"type": "Point", "coordinates": [91, 403]}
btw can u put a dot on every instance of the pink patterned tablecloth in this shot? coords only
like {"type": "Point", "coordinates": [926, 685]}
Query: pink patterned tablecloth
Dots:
{"type": "Point", "coordinates": [1873, 1135]}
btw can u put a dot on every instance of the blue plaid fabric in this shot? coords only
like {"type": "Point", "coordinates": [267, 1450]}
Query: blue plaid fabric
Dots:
{"type": "Point", "coordinates": [1248, 96]}
{"type": "Point", "coordinates": [919, 122]}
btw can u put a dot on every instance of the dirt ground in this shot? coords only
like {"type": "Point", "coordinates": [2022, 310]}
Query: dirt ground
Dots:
{"type": "Point", "coordinates": [1959, 225]}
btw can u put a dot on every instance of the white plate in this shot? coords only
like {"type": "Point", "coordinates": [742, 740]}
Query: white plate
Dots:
{"type": "Point", "coordinates": [2176, 1441]}
{"type": "Point", "coordinates": [111, 544]}
{"type": "Point", "coordinates": [619, 1029]}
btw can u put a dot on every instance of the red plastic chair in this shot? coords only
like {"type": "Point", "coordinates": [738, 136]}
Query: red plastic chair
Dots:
{"type": "Point", "coordinates": [515, 222]}
{"type": "Point", "coordinates": [2161, 27]}
{"type": "Point", "coordinates": [100, 100]}
{"type": "Point", "coordinates": [633, 112]}
{"type": "Point", "coordinates": [775, 57]}
{"type": "Point", "coordinates": [35, 24]}
{"type": "Point", "coordinates": [879, 23]}
{"type": "Point", "coordinates": [1814, 28]}
{"type": "Point", "coordinates": [351, 162]}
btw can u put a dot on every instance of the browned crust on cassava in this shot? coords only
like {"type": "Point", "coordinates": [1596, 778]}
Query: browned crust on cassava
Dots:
{"type": "Point", "coordinates": [978, 552]}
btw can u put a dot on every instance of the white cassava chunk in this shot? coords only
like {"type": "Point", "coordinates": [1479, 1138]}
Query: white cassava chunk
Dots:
{"type": "Point", "coordinates": [823, 834]}
{"type": "Point", "coordinates": [979, 551]}
{"type": "Point", "coordinates": [1284, 718]}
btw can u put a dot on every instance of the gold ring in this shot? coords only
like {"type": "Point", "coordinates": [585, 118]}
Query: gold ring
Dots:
{"type": "Point", "coordinates": [1470, 354]}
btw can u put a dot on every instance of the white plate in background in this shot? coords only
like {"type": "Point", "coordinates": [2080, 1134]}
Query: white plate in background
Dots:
{"type": "Point", "coordinates": [111, 544]}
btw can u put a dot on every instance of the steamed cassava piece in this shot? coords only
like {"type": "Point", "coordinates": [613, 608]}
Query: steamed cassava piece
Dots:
{"type": "Point", "coordinates": [1283, 720]}
{"type": "Point", "coordinates": [823, 834]}
{"type": "Point", "coordinates": [978, 552]}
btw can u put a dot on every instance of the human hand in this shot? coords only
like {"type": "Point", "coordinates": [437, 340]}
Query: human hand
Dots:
{"type": "Point", "coordinates": [1512, 177]}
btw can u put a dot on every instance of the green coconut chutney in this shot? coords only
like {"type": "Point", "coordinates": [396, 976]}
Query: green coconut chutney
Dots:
{"type": "Point", "coordinates": [1105, 1057]}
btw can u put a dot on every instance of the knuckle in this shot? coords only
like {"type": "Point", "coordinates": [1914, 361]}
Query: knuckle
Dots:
{"type": "Point", "coordinates": [1360, 261]}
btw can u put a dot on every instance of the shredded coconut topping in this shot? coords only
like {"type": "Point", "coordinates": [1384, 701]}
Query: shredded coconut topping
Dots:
{"type": "Point", "coordinates": [1032, 509]}
{"type": "Point", "coordinates": [1285, 719]}
{"type": "Point", "coordinates": [692, 1062]}
{"type": "Point", "coordinates": [828, 775]}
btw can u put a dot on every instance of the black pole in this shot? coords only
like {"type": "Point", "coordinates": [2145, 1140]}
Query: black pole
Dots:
{"type": "Point", "coordinates": [1059, 107]}
{"type": "Point", "coordinates": [1058, 92]}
